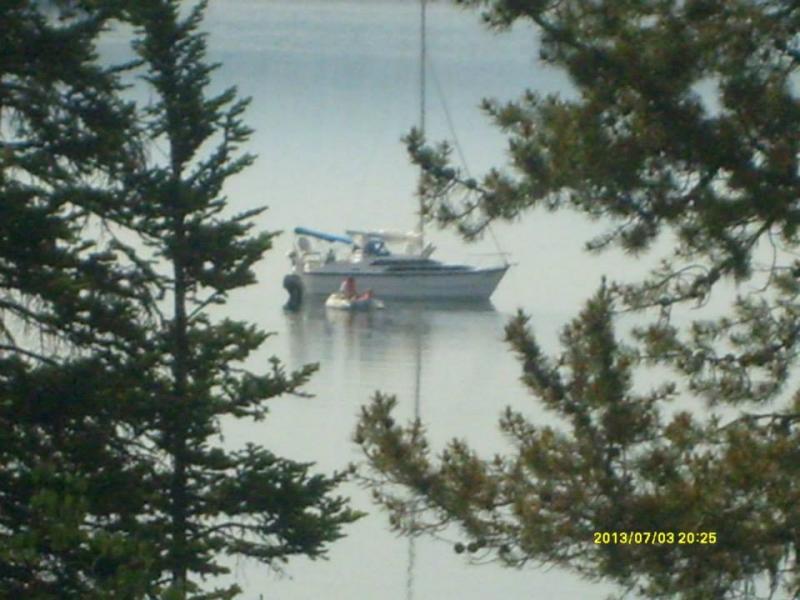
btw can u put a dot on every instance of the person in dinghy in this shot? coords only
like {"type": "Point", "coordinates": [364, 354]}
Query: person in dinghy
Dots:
{"type": "Point", "coordinates": [348, 297]}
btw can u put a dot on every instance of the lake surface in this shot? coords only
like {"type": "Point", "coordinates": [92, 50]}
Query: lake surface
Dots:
{"type": "Point", "coordinates": [334, 85]}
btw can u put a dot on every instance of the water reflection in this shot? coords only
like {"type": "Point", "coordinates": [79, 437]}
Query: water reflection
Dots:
{"type": "Point", "coordinates": [391, 336]}
{"type": "Point", "coordinates": [410, 348]}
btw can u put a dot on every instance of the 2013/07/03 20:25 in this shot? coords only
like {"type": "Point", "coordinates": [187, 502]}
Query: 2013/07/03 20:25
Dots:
{"type": "Point", "coordinates": [655, 537]}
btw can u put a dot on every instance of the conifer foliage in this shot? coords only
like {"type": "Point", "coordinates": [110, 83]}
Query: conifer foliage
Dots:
{"type": "Point", "coordinates": [213, 501]}
{"type": "Point", "coordinates": [68, 315]}
{"type": "Point", "coordinates": [683, 125]}
{"type": "Point", "coordinates": [114, 377]}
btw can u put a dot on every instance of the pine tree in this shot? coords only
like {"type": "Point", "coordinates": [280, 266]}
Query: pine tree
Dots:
{"type": "Point", "coordinates": [214, 501]}
{"type": "Point", "coordinates": [684, 124]}
{"type": "Point", "coordinates": [68, 315]}
{"type": "Point", "coordinates": [113, 378]}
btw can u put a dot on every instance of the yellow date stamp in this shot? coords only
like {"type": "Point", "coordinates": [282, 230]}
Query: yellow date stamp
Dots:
{"type": "Point", "coordinates": [655, 537]}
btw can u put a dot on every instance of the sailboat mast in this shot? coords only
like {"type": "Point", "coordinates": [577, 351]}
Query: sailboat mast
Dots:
{"type": "Point", "coordinates": [412, 550]}
{"type": "Point", "coordinates": [422, 60]}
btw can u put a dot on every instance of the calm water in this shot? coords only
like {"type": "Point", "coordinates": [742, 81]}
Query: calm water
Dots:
{"type": "Point", "coordinates": [334, 87]}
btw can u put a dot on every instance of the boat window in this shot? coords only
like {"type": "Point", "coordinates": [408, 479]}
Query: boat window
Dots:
{"type": "Point", "coordinates": [376, 248]}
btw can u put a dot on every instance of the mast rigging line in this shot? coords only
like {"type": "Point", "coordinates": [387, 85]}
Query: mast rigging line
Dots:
{"type": "Point", "coordinates": [425, 60]}
{"type": "Point", "coordinates": [422, 94]}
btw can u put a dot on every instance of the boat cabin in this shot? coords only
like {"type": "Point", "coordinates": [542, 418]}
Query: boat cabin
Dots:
{"type": "Point", "coordinates": [316, 249]}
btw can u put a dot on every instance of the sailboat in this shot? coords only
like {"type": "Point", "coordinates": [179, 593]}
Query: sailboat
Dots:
{"type": "Point", "coordinates": [392, 264]}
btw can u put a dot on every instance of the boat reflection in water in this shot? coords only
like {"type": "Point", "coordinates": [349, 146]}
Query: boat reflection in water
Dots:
{"type": "Point", "coordinates": [439, 359]}
{"type": "Point", "coordinates": [389, 339]}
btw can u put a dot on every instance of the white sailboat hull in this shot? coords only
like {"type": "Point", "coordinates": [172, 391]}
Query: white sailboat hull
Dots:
{"type": "Point", "coordinates": [473, 284]}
